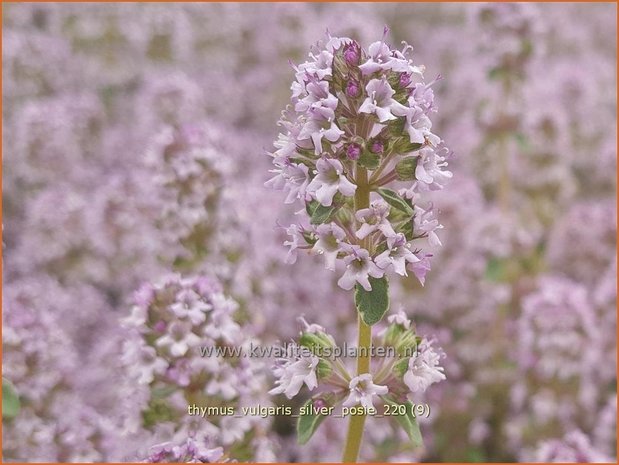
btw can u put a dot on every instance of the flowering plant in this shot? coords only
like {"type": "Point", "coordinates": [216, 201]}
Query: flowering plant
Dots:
{"type": "Point", "coordinates": [359, 153]}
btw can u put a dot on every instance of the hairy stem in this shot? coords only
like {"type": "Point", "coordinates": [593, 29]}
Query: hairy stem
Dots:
{"type": "Point", "coordinates": [357, 422]}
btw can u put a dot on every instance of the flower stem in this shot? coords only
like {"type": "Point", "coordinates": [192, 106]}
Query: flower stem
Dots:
{"type": "Point", "coordinates": [357, 422]}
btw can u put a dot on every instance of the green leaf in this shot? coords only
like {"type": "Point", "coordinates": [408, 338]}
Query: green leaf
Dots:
{"type": "Point", "coordinates": [310, 207]}
{"type": "Point", "coordinates": [408, 422]}
{"type": "Point", "coordinates": [321, 214]}
{"type": "Point", "coordinates": [372, 305]}
{"type": "Point", "coordinates": [10, 400]}
{"type": "Point", "coordinates": [407, 229]}
{"type": "Point", "coordinates": [369, 160]}
{"type": "Point", "coordinates": [309, 421]}
{"type": "Point", "coordinates": [393, 199]}
{"type": "Point", "coordinates": [405, 168]}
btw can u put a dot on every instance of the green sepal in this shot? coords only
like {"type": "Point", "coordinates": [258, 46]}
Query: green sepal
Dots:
{"type": "Point", "coordinates": [309, 237]}
{"type": "Point", "coordinates": [315, 340]}
{"type": "Point", "coordinates": [401, 367]}
{"type": "Point", "coordinates": [323, 369]}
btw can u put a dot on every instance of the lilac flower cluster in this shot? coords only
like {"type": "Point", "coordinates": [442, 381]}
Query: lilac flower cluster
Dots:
{"type": "Point", "coordinates": [170, 323]}
{"type": "Point", "coordinates": [359, 121]}
{"type": "Point", "coordinates": [413, 366]}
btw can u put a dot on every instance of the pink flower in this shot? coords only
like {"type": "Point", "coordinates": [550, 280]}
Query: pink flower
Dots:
{"type": "Point", "coordinates": [398, 255]}
{"type": "Point", "coordinates": [179, 339]}
{"type": "Point", "coordinates": [423, 368]}
{"type": "Point", "coordinates": [295, 372]}
{"type": "Point", "coordinates": [359, 266]}
{"type": "Point", "coordinates": [363, 390]}
{"type": "Point", "coordinates": [380, 101]}
{"type": "Point", "coordinates": [421, 268]}
{"type": "Point", "coordinates": [373, 219]}
{"type": "Point", "coordinates": [329, 180]}
{"type": "Point", "coordinates": [330, 237]}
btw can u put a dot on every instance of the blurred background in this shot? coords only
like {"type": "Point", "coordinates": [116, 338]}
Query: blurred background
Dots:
{"type": "Point", "coordinates": [134, 147]}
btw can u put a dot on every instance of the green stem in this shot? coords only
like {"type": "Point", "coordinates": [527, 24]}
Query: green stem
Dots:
{"type": "Point", "coordinates": [357, 422]}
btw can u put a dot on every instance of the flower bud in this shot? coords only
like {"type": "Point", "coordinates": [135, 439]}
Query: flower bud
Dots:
{"type": "Point", "coordinates": [352, 88]}
{"type": "Point", "coordinates": [353, 152]}
{"type": "Point", "coordinates": [377, 146]}
{"type": "Point", "coordinates": [352, 53]}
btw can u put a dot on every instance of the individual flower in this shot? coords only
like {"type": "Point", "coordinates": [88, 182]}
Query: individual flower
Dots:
{"type": "Point", "coordinates": [330, 237]}
{"type": "Point", "coordinates": [320, 125]}
{"type": "Point", "coordinates": [295, 232]}
{"type": "Point", "coordinates": [330, 180]}
{"type": "Point", "coordinates": [293, 372]}
{"type": "Point", "coordinates": [147, 362]}
{"type": "Point", "coordinates": [417, 125]}
{"type": "Point", "coordinates": [424, 368]}
{"type": "Point", "coordinates": [426, 223]}
{"type": "Point", "coordinates": [363, 390]}
{"type": "Point", "coordinates": [291, 177]}
{"type": "Point", "coordinates": [380, 101]}
{"type": "Point", "coordinates": [190, 306]}
{"type": "Point", "coordinates": [374, 219]}
{"type": "Point", "coordinates": [397, 256]}
{"type": "Point", "coordinates": [359, 267]}
{"type": "Point", "coordinates": [420, 268]}
{"type": "Point", "coordinates": [429, 170]}
{"type": "Point", "coordinates": [399, 318]}
{"type": "Point", "coordinates": [179, 339]}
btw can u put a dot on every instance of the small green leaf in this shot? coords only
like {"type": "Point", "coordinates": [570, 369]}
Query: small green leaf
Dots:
{"type": "Point", "coordinates": [393, 199]}
{"type": "Point", "coordinates": [372, 305]}
{"type": "Point", "coordinates": [408, 422]}
{"type": "Point", "coordinates": [369, 160]}
{"type": "Point", "coordinates": [10, 400]}
{"type": "Point", "coordinates": [321, 214]}
{"type": "Point", "coordinates": [405, 168]}
{"type": "Point", "coordinates": [407, 147]}
{"type": "Point", "coordinates": [310, 207]}
{"type": "Point", "coordinates": [309, 420]}
{"type": "Point", "coordinates": [407, 228]}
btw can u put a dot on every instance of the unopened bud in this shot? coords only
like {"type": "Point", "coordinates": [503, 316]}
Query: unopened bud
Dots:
{"type": "Point", "coordinates": [353, 152]}
{"type": "Point", "coordinates": [352, 88]}
{"type": "Point", "coordinates": [352, 53]}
